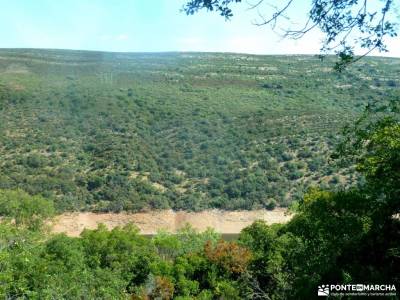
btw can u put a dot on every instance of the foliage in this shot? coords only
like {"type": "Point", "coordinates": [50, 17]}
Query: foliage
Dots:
{"type": "Point", "coordinates": [185, 241]}
{"type": "Point", "coordinates": [344, 236]}
{"type": "Point", "coordinates": [230, 256]}
{"type": "Point", "coordinates": [345, 24]}
{"type": "Point", "coordinates": [373, 143]}
{"type": "Point", "coordinates": [189, 131]}
{"type": "Point", "coordinates": [348, 235]}
{"type": "Point", "coordinates": [116, 264]}
{"type": "Point", "coordinates": [23, 209]}
{"type": "Point", "coordinates": [163, 289]}
{"type": "Point", "coordinates": [333, 237]}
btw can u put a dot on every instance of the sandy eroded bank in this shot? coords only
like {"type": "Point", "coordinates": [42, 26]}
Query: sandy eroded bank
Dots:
{"type": "Point", "coordinates": [226, 222]}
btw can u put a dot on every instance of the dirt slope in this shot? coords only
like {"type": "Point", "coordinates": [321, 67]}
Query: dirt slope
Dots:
{"type": "Point", "coordinates": [226, 222]}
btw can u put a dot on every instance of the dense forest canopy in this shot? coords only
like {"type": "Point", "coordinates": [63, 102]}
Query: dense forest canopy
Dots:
{"type": "Point", "coordinates": [343, 237]}
{"type": "Point", "coordinates": [107, 132]}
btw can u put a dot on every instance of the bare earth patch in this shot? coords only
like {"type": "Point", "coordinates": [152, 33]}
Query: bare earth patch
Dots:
{"type": "Point", "coordinates": [225, 222]}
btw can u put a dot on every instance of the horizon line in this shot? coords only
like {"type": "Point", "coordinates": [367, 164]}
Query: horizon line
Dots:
{"type": "Point", "coordinates": [186, 51]}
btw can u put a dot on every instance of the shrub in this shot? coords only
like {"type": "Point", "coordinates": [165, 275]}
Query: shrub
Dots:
{"type": "Point", "coordinates": [24, 209]}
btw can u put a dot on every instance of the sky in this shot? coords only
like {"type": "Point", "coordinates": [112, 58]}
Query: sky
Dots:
{"type": "Point", "coordinates": [147, 26]}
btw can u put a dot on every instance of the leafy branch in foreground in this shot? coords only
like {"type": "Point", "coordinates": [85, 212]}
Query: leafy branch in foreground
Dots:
{"type": "Point", "coordinates": [373, 143]}
{"type": "Point", "coordinates": [346, 24]}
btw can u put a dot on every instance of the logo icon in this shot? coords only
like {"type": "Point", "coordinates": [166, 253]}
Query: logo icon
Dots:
{"type": "Point", "coordinates": [359, 287]}
{"type": "Point", "coordinates": [323, 290]}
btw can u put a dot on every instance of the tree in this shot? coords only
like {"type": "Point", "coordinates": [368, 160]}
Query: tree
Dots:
{"type": "Point", "coordinates": [228, 255]}
{"type": "Point", "coordinates": [346, 24]}
{"type": "Point", "coordinates": [24, 209]}
{"type": "Point", "coordinates": [373, 144]}
{"type": "Point", "coordinates": [345, 236]}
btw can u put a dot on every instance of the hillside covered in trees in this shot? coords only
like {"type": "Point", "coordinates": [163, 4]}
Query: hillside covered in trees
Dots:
{"type": "Point", "coordinates": [343, 237]}
{"type": "Point", "coordinates": [113, 131]}
{"type": "Point", "coordinates": [103, 131]}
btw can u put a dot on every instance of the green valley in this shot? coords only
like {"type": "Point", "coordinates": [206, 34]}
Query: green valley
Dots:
{"type": "Point", "coordinates": [117, 131]}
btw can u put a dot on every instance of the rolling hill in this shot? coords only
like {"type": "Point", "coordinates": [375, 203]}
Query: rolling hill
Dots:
{"type": "Point", "coordinates": [118, 131]}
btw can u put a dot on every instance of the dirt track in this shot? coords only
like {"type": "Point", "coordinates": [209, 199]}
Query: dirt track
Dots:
{"type": "Point", "coordinates": [226, 222]}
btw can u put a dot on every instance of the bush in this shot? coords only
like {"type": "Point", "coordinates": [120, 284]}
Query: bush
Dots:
{"type": "Point", "coordinates": [24, 209]}
{"type": "Point", "coordinates": [270, 204]}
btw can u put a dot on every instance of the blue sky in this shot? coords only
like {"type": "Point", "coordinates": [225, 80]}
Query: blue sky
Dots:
{"type": "Point", "coordinates": [144, 26]}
